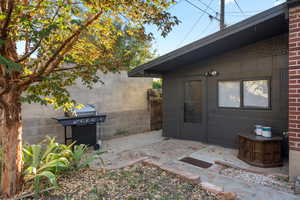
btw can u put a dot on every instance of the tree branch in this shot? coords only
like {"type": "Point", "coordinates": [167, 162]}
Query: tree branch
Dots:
{"type": "Point", "coordinates": [28, 54]}
{"type": "Point", "coordinates": [69, 41]}
{"type": "Point", "coordinates": [57, 57]}
{"type": "Point", "coordinates": [66, 68]}
{"type": "Point", "coordinates": [2, 3]}
{"type": "Point", "coordinates": [4, 31]}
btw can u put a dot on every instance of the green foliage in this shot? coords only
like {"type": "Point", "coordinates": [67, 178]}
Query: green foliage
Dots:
{"type": "Point", "coordinates": [9, 64]}
{"type": "Point", "coordinates": [131, 49]}
{"type": "Point", "coordinates": [71, 41]}
{"type": "Point", "coordinates": [45, 161]}
{"type": "Point", "coordinates": [80, 159]}
{"type": "Point", "coordinates": [157, 84]}
{"type": "Point", "coordinates": [78, 153]}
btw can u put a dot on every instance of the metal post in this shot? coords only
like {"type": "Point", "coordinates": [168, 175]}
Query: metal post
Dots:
{"type": "Point", "coordinates": [65, 135]}
{"type": "Point", "coordinates": [222, 17]}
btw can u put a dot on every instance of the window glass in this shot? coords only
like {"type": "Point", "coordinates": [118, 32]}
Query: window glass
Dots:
{"type": "Point", "coordinates": [229, 94]}
{"type": "Point", "coordinates": [256, 93]}
{"type": "Point", "coordinates": [192, 101]}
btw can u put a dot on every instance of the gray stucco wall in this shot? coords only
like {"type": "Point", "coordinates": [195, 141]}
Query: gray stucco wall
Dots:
{"type": "Point", "coordinates": [264, 59]}
{"type": "Point", "coordinates": [123, 99]}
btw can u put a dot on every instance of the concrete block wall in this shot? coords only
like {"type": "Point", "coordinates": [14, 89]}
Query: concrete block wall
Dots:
{"type": "Point", "coordinates": [122, 99]}
{"type": "Point", "coordinates": [294, 88]}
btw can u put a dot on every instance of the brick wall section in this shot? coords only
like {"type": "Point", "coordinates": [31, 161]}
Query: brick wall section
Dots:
{"type": "Point", "coordinates": [294, 78]}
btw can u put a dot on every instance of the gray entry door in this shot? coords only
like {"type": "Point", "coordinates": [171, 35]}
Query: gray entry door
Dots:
{"type": "Point", "coordinates": [193, 109]}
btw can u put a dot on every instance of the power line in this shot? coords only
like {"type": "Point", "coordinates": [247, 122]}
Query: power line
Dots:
{"type": "Point", "coordinates": [210, 16]}
{"type": "Point", "coordinates": [236, 3]}
{"type": "Point", "coordinates": [194, 25]}
{"type": "Point", "coordinates": [191, 30]}
{"type": "Point", "coordinates": [208, 6]}
{"type": "Point", "coordinates": [205, 28]}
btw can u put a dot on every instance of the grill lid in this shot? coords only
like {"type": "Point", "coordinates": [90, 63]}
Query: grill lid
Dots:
{"type": "Point", "coordinates": [86, 110]}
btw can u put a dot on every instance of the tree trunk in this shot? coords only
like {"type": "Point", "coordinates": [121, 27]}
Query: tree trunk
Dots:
{"type": "Point", "coordinates": [11, 140]}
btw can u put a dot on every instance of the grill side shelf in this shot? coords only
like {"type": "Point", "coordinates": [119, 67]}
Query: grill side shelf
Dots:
{"type": "Point", "coordinates": [72, 121]}
{"type": "Point", "coordinates": [77, 122]}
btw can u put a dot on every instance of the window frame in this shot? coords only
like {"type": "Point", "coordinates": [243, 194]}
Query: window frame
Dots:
{"type": "Point", "coordinates": [218, 97]}
{"type": "Point", "coordinates": [242, 106]}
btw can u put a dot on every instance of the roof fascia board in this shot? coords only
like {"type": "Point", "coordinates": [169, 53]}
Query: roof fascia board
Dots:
{"type": "Point", "coordinates": [252, 21]}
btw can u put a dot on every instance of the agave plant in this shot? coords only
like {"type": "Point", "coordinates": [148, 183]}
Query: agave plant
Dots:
{"type": "Point", "coordinates": [45, 161]}
{"type": "Point", "coordinates": [79, 160]}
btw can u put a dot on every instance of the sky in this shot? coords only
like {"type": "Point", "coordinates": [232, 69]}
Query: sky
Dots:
{"type": "Point", "coordinates": [196, 25]}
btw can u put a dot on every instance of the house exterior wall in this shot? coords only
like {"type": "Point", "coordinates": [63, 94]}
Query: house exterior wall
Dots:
{"type": "Point", "coordinates": [264, 59]}
{"type": "Point", "coordinates": [294, 89]}
{"type": "Point", "coordinates": [122, 99]}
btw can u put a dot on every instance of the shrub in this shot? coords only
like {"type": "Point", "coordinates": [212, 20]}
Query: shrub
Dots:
{"type": "Point", "coordinates": [157, 84]}
{"type": "Point", "coordinates": [79, 160]}
{"type": "Point", "coordinates": [45, 161]}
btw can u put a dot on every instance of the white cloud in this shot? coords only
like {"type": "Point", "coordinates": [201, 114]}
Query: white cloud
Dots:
{"type": "Point", "coordinates": [277, 2]}
{"type": "Point", "coordinates": [229, 1]}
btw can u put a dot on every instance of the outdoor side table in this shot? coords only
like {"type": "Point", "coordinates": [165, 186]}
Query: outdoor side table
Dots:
{"type": "Point", "coordinates": [260, 151]}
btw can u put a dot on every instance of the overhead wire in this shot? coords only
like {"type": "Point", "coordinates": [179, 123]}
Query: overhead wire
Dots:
{"type": "Point", "coordinates": [195, 6]}
{"type": "Point", "coordinates": [194, 25]}
{"type": "Point", "coordinates": [205, 28]}
{"type": "Point", "coordinates": [208, 6]}
{"type": "Point", "coordinates": [238, 6]}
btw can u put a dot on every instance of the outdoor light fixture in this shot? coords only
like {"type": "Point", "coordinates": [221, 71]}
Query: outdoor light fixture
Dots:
{"type": "Point", "coordinates": [213, 73]}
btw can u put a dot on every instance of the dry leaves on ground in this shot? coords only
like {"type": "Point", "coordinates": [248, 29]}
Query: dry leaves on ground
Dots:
{"type": "Point", "coordinates": [132, 183]}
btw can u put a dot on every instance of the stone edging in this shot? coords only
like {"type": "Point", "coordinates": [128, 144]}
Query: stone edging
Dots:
{"type": "Point", "coordinates": [217, 191]}
{"type": "Point", "coordinates": [194, 179]}
{"type": "Point", "coordinates": [226, 164]}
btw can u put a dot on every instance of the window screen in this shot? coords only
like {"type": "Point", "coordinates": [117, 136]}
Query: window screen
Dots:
{"type": "Point", "coordinates": [229, 94]}
{"type": "Point", "coordinates": [192, 101]}
{"type": "Point", "coordinates": [256, 93]}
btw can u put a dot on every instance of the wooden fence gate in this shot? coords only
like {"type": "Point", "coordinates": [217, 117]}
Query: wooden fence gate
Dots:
{"type": "Point", "coordinates": [155, 105]}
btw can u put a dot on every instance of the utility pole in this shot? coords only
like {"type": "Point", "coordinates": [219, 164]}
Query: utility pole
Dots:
{"type": "Point", "coordinates": [222, 11]}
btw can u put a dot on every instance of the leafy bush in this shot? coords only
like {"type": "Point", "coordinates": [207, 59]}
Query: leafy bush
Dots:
{"type": "Point", "coordinates": [45, 160]}
{"type": "Point", "coordinates": [79, 160]}
{"type": "Point", "coordinates": [157, 84]}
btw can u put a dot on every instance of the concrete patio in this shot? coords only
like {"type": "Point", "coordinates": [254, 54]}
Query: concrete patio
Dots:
{"type": "Point", "coordinates": [167, 152]}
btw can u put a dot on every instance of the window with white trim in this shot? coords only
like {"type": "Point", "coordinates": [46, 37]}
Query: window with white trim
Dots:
{"type": "Point", "coordinates": [229, 94]}
{"type": "Point", "coordinates": [256, 93]}
{"type": "Point", "coordinates": [244, 94]}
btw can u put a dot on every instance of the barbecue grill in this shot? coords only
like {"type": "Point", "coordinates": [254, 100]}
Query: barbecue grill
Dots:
{"type": "Point", "coordinates": [83, 123]}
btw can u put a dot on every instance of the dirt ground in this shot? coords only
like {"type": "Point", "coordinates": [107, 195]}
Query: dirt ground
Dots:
{"type": "Point", "coordinates": [132, 183]}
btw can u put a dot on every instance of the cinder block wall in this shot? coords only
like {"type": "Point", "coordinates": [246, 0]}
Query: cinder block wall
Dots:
{"type": "Point", "coordinates": [122, 99]}
{"type": "Point", "coordinates": [294, 88]}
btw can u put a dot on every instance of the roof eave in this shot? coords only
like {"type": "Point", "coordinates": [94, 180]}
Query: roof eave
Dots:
{"type": "Point", "coordinates": [252, 21]}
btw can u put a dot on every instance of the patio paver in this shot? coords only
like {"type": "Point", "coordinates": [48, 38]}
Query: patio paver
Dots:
{"type": "Point", "coordinates": [167, 152]}
{"type": "Point", "coordinates": [245, 190]}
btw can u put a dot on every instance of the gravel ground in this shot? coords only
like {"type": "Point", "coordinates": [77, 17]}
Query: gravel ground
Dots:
{"type": "Point", "coordinates": [132, 183]}
{"type": "Point", "coordinates": [266, 180]}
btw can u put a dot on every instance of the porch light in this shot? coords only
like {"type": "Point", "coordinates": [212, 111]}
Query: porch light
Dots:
{"type": "Point", "coordinates": [213, 73]}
